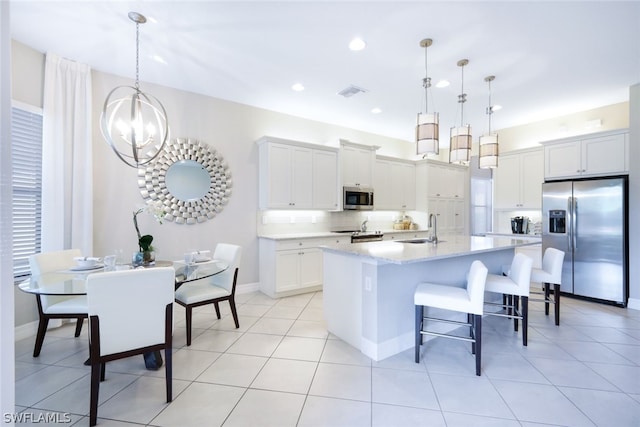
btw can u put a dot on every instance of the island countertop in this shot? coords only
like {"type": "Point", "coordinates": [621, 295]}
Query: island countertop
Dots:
{"type": "Point", "coordinates": [403, 252]}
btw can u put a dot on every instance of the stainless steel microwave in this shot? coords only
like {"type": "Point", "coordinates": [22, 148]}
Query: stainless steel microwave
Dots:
{"type": "Point", "coordinates": [357, 198]}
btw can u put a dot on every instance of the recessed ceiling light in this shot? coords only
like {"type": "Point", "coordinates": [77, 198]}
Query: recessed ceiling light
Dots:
{"type": "Point", "coordinates": [297, 87]}
{"type": "Point", "coordinates": [357, 44]}
{"type": "Point", "coordinates": [159, 59]}
{"type": "Point", "coordinates": [376, 110]}
{"type": "Point", "coordinates": [496, 107]}
{"type": "Point", "coordinates": [443, 83]}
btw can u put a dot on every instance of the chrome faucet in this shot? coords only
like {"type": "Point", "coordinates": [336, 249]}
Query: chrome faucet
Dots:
{"type": "Point", "coordinates": [363, 226]}
{"type": "Point", "coordinates": [433, 226]}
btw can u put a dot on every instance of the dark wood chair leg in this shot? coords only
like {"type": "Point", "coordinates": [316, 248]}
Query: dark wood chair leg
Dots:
{"type": "Point", "coordinates": [516, 300]}
{"type": "Point", "coordinates": [215, 304]}
{"type": "Point", "coordinates": [95, 389]}
{"type": "Point", "coordinates": [478, 337]}
{"type": "Point", "coordinates": [168, 372]}
{"type": "Point", "coordinates": [418, 328]}
{"type": "Point", "coordinates": [188, 310]}
{"type": "Point", "coordinates": [546, 298]}
{"type": "Point", "coordinates": [472, 333]}
{"type": "Point", "coordinates": [42, 329]}
{"type": "Point", "coordinates": [79, 323]}
{"type": "Point", "coordinates": [234, 313]}
{"type": "Point", "coordinates": [525, 319]}
{"type": "Point", "coordinates": [556, 298]}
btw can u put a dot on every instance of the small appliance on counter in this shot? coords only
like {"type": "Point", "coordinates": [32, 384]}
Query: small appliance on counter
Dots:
{"type": "Point", "coordinates": [520, 225]}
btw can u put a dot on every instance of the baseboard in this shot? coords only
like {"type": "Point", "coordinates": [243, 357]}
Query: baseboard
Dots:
{"type": "Point", "coordinates": [633, 303]}
{"type": "Point", "coordinates": [25, 331]}
{"type": "Point", "coordinates": [248, 288]}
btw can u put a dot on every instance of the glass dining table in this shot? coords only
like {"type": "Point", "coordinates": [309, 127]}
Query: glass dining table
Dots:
{"type": "Point", "coordinates": [73, 281]}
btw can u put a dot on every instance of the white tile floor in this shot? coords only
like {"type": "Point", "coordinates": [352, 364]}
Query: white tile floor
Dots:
{"type": "Point", "coordinates": [282, 368]}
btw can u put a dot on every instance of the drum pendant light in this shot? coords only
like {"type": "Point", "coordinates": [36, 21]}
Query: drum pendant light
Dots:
{"type": "Point", "coordinates": [460, 143]}
{"type": "Point", "coordinates": [134, 123]}
{"type": "Point", "coordinates": [427, 128]}
{"type": "Point", "coordinates": [488, 143]}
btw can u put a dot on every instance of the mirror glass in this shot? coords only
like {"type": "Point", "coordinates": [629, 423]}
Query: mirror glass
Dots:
{"type": "Point", "coordinates": [188, 180]}
{"type": "Point", "coordinates": [191, 180]}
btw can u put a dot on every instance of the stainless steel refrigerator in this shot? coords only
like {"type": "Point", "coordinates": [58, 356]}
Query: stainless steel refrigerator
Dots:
{"type": "Point", "coordinates": [587, 219]}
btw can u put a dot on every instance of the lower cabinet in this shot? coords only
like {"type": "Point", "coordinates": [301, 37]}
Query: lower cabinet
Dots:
{"type": "Point", "coordinates": [292, 266]}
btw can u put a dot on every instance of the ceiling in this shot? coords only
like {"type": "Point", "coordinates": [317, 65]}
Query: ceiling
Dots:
{"type": "Point", "coordinates": [549, 58]}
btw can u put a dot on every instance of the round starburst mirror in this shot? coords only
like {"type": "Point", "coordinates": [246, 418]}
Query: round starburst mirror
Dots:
{"type": "Point", "coordinates": [189, 178]}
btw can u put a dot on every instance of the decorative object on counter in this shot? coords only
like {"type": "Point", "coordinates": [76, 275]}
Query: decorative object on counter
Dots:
{"type": "Point", "coordinates": [460, 144]}
{"type": "Point", "coordinates": [488, 143]}
{"type": "Point", "coordinates": [131, 118]}
{"type": "Point", "coordinates": [146, 255]}
{"type": "Point", "coordinates": [427, 129]}
{"type": "Point", "coordinates": [191, 180]}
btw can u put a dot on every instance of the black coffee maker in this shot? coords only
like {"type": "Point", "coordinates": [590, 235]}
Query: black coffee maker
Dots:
{"type": "Point", "coordinates": [520, 225]}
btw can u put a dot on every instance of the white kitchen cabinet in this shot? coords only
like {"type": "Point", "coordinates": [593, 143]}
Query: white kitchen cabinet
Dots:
{"type": "Point", "coordinates": [405, 235]}
{"type": "Point", "coordinates": [442, 190]}
{"type": "Point", "coordinates": [293, 266]}
{"type": "Point", "coordinates": [394, 184]}
{"type": "Point", "coordinates": [357, 164]}
{"type": "Point", "coordinates": [604, 153]}
{"type": "Point", "coordinates": [518, 180]}
{"type": "Point", "coordinates": [325, 180]}
{"type": "Point", "coordinates": [297, 175]}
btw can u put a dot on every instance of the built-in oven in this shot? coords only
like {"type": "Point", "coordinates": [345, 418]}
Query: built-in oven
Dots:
{"type": "Point", "coordinates": [357, 198]}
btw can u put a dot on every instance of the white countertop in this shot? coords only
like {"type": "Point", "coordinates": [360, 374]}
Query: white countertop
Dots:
{"type": "Point", "coordinates": [292, 236]}
{"type": "Point", "coordinates": [537, 237]}
{"type": "Point", "coordinates": [397, 252]}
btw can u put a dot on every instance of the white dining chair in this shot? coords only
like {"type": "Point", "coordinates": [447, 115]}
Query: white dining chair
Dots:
{"type": "Point", "coordinates": [514, 283]}
{"type": "Point", "coordinates": [215, 289]}
{"type": "Point", "coordinates": [550, 274]}
{"type": "Point", "coordinates": [56, 306]}
{"type": "Point", "coordinates": [130, 313]}
{"type": "Point", "coordinates": [467, 300]}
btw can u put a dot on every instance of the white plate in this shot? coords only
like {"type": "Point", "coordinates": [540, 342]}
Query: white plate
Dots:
{"type": "Point", "coordinates": [94, 267]}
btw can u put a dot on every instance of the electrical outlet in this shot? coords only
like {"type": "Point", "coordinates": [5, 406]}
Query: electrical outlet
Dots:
{"type": "Point", "coordinates": [367, 284]}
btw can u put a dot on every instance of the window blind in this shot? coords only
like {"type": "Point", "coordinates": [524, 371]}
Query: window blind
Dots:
{"type": "Point", "coordinates": [26, 160]}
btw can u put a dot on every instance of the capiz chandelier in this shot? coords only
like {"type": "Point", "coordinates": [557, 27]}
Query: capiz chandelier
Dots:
{"type": "Point", "coordinates": [460, 143]}
{"type": "Point", "coordinates": [427, 128]}
{"type": "Point", "coordinates": [134, 123]}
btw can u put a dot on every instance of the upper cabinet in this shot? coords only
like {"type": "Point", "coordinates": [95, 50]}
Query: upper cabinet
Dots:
{"type": "Point", "coordinates": [394, 184]}
{"type": "Point", "coordinates": [357, 163]}
{"type": "Point", "coordinates": [518, 180]}
{"type": "Point", "coordinates": [296, 175]}
{"type": "Point", "coordinates": [604, 153]}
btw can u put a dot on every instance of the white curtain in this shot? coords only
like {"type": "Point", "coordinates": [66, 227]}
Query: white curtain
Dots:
{"type": "Point", "coordinates": [67, 180]}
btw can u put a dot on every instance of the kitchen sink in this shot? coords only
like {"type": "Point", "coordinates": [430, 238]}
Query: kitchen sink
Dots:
{"type": "Point", "coordinates": [420, 241]}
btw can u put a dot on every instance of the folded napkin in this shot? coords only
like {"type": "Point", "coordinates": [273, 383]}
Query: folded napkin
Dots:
{"type": "Point", "coordinates": [201, 256]}
{"type": "Point", "coordinates": [87, 258]}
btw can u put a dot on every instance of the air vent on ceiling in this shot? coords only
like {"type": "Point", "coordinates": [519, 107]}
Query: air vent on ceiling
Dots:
{"type": "Point", "coordinates": [351, 90]}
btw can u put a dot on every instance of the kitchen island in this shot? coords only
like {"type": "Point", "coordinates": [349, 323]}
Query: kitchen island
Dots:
{"type": "Point", "coordinates": [368, 287]}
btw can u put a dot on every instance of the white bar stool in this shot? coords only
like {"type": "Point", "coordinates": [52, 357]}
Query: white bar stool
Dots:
{"type": "Point", "coordinates": [515, 284]}
{"type": "Point", "coordinates": [550, 274]}
{"type": "Point", "coordinates": [465, 300]}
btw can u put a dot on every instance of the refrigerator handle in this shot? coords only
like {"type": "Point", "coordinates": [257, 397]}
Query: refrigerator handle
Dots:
{"type": "Point", "coordinates": [574, 227]}
{"type": "Point", "coordinates": [569, 222]}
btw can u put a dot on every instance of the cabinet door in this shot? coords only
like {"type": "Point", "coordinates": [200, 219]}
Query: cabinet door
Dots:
{"type": "Point", "coordinates": [458, 178]}
{"type": "Point", "coordinates": [562, 160]}
{"type": "Point", "coordinates": [279, 166]}
{"type": "Point", "coordinates": [531, 179]}
{"type": "Point", "coordinates": [325, 180]}
{"type": "Point", "coordinates": [440, 208]}
{"type": "Point", "coordinates": [287, 270]}
{"type": "Point", "coordinates": [302, 175]}
{"type": "Point", "coordinates": [310, 267]}
{"type": "Point", "coordinates": [603, 155]}
{"type": "Point", "coordinates": [383, 197]}
{"type": "Point", "coordinates": [507, 182]}
{"type": "Point", "coordinates": [436, 180]}
{"type": "Point", "coordinates": [408, 183]}
{"type": "Point", "coordinates": [357, 166]}
{"type": "Point", "coordinates": [459, 217]}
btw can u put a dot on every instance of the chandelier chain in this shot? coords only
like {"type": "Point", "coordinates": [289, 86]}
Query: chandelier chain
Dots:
{"type": "Point", "coordinates": [137, 56]}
